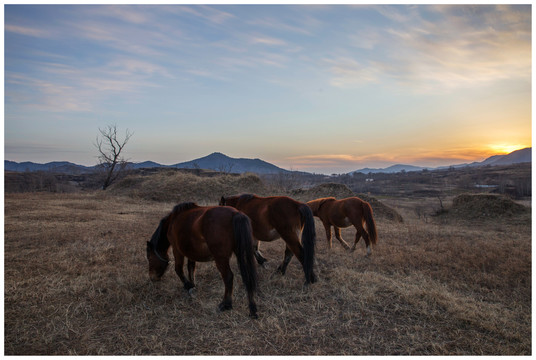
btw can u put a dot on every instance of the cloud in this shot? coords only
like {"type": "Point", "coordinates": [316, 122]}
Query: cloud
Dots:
{"type": "Point", "coordinates": [58, 87]}
{"type": "Point", "coordinates": [348, 72]}
{"type": "Point", "coordinates": [279, 25]}
{"type": "Point", "coordinates": [28, 31]}
{"type": "Point", "coordinates": [409, 156]}
{"type": "Point", "coordinates": [324, 159]}
{"type": "Point", "coordinates": [211, 15]}
{"type": "Point", "coordinates": [266, 40]}
{"type": "Point", "coordinates": [455, 50]}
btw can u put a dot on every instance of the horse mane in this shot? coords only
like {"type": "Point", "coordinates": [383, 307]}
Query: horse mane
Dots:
{"type": "Point", "coordinates": [184, 207]}
{"type": "Point", "coordinates": [322, 201]}
{"type": "Point", "coordinates": [246, 197]}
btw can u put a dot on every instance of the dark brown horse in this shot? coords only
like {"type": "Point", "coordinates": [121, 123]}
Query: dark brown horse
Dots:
{"type": "Point", "coordinates": [280, 217]}
{"type": "Point", "coordinates": [343, 213]}
{"type": "Point", "coordinates": [205, 234]}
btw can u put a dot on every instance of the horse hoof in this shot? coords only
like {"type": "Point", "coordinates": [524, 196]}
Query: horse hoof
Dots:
{"type": "Point", "coordinates": [225, 306]}
{"type": "Point", "coordinates": [191, 292]}
{"type": "Point", "coordinates": [254, 316]}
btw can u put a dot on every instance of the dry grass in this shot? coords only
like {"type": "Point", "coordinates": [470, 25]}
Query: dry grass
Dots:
{"type": "Point", "coordinates": [76, 283]}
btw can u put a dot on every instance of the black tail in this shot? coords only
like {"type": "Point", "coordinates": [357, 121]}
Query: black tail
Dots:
{"type": "Point", "coordinates": [246, 257]}
{"type": "Point", "coordinates": [308, 242]}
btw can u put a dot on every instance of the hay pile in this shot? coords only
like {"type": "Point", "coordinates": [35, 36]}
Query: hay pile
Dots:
{"type": "Point", "coordinates": [179, 187]}
{"type": "Point", "coordinates": [338, 191]}
{"type": "Point", "coordinates": [341, 191]}
{"type": "Point", "coordinates": [485, 206]}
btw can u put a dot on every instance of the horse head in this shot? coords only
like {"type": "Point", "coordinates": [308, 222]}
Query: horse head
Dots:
{"type": "Point", "coordinates": [157, 263]}
{"type": "Point", "coordinates": [232, 200]}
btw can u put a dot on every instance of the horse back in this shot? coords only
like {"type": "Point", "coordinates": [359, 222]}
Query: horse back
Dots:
{"type": "Point", "coordinates": [284, 212]}
{"type": "Point", "coordinates": [271, 216]}
{"type": "Point", "coordinates": [353, 207]}
{"type": "Point", "coordinates": [202, 232]}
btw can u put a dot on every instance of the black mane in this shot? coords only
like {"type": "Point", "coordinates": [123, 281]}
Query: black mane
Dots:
{"type": "Point", "coordinates": [184, 207]}
{"type": "Point", "coordinates": [246, 197]}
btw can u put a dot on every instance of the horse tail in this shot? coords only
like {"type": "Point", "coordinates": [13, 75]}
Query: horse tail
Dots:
{"type": "Point", "coordinates": [244, 251]}
{"type": "Point", "coordinates": [308, 241]}
{"type": "Point", "coordinates": [371, 224]}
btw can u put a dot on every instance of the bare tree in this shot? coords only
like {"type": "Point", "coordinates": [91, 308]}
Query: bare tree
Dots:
{"type": "Point", "coordinates": [226, 168]}
{"type": "Point", "coordinates": [110, 148]}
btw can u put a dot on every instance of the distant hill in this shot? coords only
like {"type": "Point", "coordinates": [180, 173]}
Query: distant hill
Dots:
{"type": "Point", "coordinates": [55, 166]}
{"type": "Point", "coordinates": [145, 164]}
{"type": "Point", "coordinates": [221, 162]}
{"type": "Point", "coordinates": [515, 157]}
{"type": "Point", "coordinates": [215, 161]}
{"type": "Point", "coordinates": [518, 156]}
{"type": "Point", "coordinates": [390, 169]}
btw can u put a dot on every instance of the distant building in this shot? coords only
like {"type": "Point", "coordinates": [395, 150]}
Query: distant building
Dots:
{"type": "Point", "coordinates": [369, 180]}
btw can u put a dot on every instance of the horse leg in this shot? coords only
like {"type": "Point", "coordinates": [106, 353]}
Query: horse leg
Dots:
{"type": "Point", "coordinates": [260, 259]}
{"type": "Point", "coordinates": [339, 237]}
{"type": "Point", "coordinates": [294, 247]}
{"type": "Point", "coordinates": [362, 233]}
{"type": "Point", "coordinates": [227, 277]}
{"type": "Point", "coordinates": [327, 226]}
{"type": "Point", "coordinates": [191, 275]}
{"type": "Point", "coordinates": [179, 263]}
{"type": "Point", "coordinates": [286, 260]}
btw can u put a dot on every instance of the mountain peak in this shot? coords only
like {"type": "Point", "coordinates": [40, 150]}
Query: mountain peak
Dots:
{"type": "Point", "coordinates": [221, 162]}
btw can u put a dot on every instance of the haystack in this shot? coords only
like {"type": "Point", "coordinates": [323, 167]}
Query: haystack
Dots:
{"type": "Point", "coordinates": [482, 206]}
{"type": "Point", "coordinates": [179, 187]}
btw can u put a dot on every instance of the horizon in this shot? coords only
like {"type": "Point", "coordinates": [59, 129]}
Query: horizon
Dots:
{"type": "Point", "coordinates": [217, 152]}
{"type": "Point", "coordinates": [323, 89]}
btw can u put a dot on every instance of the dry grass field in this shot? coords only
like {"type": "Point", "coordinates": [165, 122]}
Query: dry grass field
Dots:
{"type": "Point", "coordinates": [76, 283]}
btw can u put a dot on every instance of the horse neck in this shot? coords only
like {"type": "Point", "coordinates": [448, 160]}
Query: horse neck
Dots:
{"type": "Point", "coordinates": [232, 200]}
{"type": "Point", "coordinates": [315, 205]}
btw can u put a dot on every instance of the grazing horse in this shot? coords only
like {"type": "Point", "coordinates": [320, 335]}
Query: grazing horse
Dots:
{"type": "Point", "coordinates": [204, 234]}
{"type": "Point", "coordinates": [280, 217]}
{"type": "Point", "coordinates": [343, 213]}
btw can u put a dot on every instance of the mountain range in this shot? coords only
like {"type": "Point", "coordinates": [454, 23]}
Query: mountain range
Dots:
{"type": "Point", "coordinates": [215, 161]}
{"type": "Point", "coordinates": [221, 162]}
{"type": "Point", "coordinates": [515, 157]}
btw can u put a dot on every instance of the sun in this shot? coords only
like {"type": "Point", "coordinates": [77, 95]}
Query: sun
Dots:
{"type": "Point", "coordinates": [506, 148]}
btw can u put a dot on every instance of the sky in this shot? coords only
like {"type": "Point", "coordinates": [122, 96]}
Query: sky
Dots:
{"type": "Point", "coordinates": [324, 89]}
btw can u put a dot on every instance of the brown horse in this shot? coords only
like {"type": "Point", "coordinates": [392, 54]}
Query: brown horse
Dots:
{"type": "Point", "coordinates": [205, 234]}
{"type": "Point", "coordinates": [343, 213]}
{"type": "Point", "coordinates": [280, 217]}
